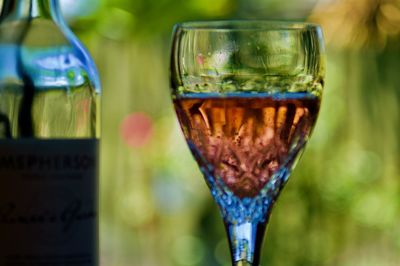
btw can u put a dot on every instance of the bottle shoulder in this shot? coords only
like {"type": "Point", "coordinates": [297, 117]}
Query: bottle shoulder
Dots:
{"type": "Point", "coordinates": [47, 52]}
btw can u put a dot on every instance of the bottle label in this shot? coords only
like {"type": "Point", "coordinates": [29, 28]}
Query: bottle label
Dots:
{"type": "Point", "coordinates": [48, 202]}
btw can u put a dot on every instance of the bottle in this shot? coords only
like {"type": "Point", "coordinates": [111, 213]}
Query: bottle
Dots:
{"type": "Point", "coordinates": [49, 134]}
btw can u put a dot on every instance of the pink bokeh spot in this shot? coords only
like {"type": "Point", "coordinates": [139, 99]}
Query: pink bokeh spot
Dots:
{"type": "Point", "coordinates": [200, 59]}
{"type": "Point", "coordinates": [136, 129]}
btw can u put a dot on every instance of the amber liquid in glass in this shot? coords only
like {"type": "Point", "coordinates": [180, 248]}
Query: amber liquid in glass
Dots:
{"type": "Point", "coordinates": [245, 139]}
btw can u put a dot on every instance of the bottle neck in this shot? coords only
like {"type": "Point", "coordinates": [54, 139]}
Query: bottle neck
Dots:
{"type": "Point", "coordinates": [29, 9]}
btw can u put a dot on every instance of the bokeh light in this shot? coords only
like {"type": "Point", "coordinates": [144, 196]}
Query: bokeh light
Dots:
{"type": "Point", "coordinates": [136, 129]}
{"type": "Point", "coordinates": [75, 9]}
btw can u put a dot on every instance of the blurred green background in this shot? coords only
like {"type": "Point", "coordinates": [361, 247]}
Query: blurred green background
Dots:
{"type": "Point", "coordinates": [342, 204]}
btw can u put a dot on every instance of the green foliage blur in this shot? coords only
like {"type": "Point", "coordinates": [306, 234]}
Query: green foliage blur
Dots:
{"type": "Point", "coordinates": [342, 203]}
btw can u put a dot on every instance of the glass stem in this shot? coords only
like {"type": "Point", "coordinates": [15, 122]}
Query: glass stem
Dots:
{"type": "Point", "coordinates": [245, 241]}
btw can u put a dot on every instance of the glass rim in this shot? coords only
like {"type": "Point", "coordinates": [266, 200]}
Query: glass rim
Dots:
{"type": "Point", "coordinates": [246, 25]}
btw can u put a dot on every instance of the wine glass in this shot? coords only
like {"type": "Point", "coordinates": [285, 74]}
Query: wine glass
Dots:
{"type": "Point", "coordinates": [247, 95]}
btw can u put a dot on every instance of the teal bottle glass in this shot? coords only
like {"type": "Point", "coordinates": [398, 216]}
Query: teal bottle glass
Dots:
{"type": "Point", "coordinates": [49, 135]}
